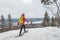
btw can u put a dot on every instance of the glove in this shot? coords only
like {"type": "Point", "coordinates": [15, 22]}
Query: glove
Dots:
{"type": "Point", "coordinates": [18, 23]}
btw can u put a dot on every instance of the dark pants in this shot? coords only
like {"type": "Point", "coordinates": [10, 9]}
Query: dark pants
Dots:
{"type": "Point", "coordinates": [23, 26]}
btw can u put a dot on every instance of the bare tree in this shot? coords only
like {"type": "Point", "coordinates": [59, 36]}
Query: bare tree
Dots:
{"type": "Point", "coordinates": [49, 2]}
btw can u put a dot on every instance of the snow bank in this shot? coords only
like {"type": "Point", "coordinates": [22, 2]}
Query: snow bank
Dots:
{"type": "Point", "coordinates": [48, 33]}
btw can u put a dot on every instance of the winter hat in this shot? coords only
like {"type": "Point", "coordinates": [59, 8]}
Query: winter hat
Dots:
{"type": "Point", "coordinates": [23, 14]}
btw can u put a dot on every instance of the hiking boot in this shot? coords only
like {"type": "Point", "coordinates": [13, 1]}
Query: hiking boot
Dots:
{"type": "Point", "coordinates": [20, 34]}
{"type": "Point", "coordinates": [25, 31]}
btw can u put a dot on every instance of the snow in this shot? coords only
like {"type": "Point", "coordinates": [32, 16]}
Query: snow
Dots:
{"type": "Point", "coordinates": [34, 22]}
{"type": "Point", "coordinates": [37, 22]}
{"type": "Point", "coordinates": [47, 33]}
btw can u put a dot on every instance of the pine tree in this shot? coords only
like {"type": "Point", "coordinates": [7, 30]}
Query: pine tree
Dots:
{"type": "Point", "coordinates": [9, 22]}
{"type": "Point", "coordinates": [2, 22]}
{"type": "Point", "coordinates": [46, 20]}
{"type": "Point", "coordinates": [53, 22]}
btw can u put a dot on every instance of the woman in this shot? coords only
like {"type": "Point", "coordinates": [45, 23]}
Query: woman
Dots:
{"type": "Point", "coordinates": [22, 21]}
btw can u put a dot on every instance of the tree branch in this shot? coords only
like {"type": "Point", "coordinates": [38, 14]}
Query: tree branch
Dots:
{"type": "Point", "coordinates": [51, 10]}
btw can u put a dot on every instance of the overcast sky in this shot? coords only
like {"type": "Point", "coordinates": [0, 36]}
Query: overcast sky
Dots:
{"type": "Point", "coordinates": [32, 8]}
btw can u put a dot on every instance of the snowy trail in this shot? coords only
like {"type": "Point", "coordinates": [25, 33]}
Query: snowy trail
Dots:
{"type": "Point", "coordinates": [8, 34]}
{"type": "Point", "coordinates": [48, 33]}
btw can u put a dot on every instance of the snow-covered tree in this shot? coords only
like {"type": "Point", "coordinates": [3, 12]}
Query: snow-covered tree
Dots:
{"type": "Point", "coordinates": [2, 22]}
{"type": "Point", "coordinates": [46, 20]}
{"type": "Point", "coordinates": [50, 2]}
{"type": "Point", "coordinates": [53, 21]}
{"type": "Point", "coordinates": [9, 22]}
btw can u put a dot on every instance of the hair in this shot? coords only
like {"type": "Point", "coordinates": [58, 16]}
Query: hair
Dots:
{"type": "Point", "coordinates": [23, 14]}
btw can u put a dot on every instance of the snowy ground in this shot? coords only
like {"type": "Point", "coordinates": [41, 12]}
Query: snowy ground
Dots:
{"type": "Point", "coordinates": [47, 33]}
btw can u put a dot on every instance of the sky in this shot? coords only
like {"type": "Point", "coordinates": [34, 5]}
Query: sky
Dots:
{"type": "Point", "coordinates": [31, 8]}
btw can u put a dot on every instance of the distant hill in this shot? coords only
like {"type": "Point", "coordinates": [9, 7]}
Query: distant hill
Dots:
{"type": "Point", "coordinates": [14, 20]}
